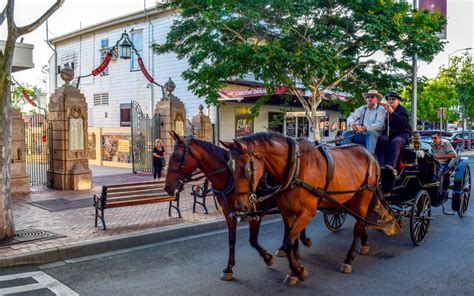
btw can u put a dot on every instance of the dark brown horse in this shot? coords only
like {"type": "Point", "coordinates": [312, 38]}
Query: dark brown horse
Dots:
{"type": "Point", "coordinates": [302, 170]}
{"type": "Point", "coordinates": [190, 154]}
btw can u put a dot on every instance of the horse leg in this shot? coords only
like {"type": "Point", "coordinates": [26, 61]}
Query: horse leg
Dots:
{"type": "Point", "coordinates": [358, 230]}
{"type": "Point", "coordinates": [281, 252]}
{"type": "Point", "coordinates": [227, 273]}
{"type": "Point", "coordinates": [254, 227]}
{"type": "Point", "coordinates": [291, 247]}
{"type": "Point", "coordinates": [364, 246]}
{"type": "Point", "coordinates": [304, 239]}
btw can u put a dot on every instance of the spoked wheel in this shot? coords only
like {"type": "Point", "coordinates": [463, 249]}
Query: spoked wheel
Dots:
{"type": "Point", "coordinates": [466, 193]}
{"type": "Point", "coordinates": [420, 218]}
{"type": "Point", "coordinates": [334, 222]}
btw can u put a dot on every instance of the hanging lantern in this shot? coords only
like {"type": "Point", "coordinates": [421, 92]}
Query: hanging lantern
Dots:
{"type": "Point", "coordinates": [125, 48]}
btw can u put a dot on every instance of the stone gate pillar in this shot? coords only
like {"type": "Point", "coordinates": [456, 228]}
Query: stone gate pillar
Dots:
{"type": "Point", "coordinates": [172, 116]}
{"type": "Point", "coordinates": [20, 181]}
{"type": "Point", "coordinates": [202, 126]}
{"type": "Point", "coordinates": [68, 118]}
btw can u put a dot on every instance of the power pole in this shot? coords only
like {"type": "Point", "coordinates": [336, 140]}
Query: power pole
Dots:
{"type": "Point", "coordinates": [414, 74]}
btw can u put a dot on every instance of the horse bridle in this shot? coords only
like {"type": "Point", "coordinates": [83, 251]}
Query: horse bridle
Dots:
{"type": "Point", "coordinates": [182, 179]}
{"type": "Point", "coordinates": [249, 172]}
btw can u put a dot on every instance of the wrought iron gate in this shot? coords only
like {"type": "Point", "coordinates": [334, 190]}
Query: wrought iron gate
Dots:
{"type": "Point", "coordinates": [144, 130]}
{"type": "Point", "coordinates": [37, 149]}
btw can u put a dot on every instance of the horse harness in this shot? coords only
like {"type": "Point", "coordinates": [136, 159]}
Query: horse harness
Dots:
{"type": "Point", "coordinates": [294, 179]}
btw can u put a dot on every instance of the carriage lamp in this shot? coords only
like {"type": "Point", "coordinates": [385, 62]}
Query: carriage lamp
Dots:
{"type": "Point", "coordinates": [125, 47]}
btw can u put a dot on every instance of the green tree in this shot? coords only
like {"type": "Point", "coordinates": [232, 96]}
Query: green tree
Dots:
{"type": "Point", "coordinates": [460, 73]}
{"type": "Point", "coordinates": [323, 44]}
{"type": "Point", "coordinates": [7, 226]}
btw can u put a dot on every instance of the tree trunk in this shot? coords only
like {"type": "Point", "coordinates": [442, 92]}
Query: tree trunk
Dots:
{"type": "Point", "coordinates": [7, 224]}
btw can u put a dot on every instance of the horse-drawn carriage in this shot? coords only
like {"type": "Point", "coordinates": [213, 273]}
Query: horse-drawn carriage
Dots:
{"type": "Point", "coordinates": [307, 178]}
{"type": "Point", "coordinates": [419, 186]}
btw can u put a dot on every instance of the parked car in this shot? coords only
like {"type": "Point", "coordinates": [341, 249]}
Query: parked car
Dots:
{"type": "Point", "coordinates": [458, 137]}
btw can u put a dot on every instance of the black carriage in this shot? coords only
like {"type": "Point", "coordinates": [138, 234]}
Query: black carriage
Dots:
{"type": "Point", "coordinates": [419, 186]}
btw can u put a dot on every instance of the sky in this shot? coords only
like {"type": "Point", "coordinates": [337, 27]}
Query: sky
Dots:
{"type": "Point", "coordinates": [75, 14]}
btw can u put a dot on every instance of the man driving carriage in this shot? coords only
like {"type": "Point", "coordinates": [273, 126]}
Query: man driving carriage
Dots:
{"type": "Point", "coordinates": [396, 133]}
{"type": "Point", "coordinates": [366, 122]}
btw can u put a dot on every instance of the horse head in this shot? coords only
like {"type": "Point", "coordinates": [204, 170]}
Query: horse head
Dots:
{"type": "Point", "coordinates": [247, 168]}
{"type": "Point", "coordinates": [181, 164]}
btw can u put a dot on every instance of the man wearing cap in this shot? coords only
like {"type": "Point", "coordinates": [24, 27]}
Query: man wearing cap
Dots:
{"type": "Point", "coordinates": [366, 122]}
{"type": "Point", "coordinates": [396, 133]}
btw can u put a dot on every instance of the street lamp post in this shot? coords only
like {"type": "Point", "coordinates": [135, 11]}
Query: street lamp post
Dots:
{"type": "Point", "coordinates": [457, 50]}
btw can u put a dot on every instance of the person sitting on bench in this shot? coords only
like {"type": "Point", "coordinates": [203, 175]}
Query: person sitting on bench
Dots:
{"type": "Point", "coordinates": [443, 151]}
{"type": "Point", "coordinates": [396, 133]}
{"type": "Point", "coordinates": [366, 122]}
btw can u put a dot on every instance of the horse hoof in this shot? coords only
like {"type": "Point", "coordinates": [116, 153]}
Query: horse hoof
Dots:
{"type": "Point", "coordinates": [304, 275]}
{"type": "Point", "coordinates": [290, 280]}
{"type": "Point", "coordinates": [364, 250]}
{"type": "Point", "coordinates": [280, 253]}
{"type": "Point", "coordinates": [307, 243]}
{"type": "Point", "coordinates": [346, 268]}
{"type": "Point", "coordinates": [269, 260]}
{"type": "Point", "coordinates": [227, 276]}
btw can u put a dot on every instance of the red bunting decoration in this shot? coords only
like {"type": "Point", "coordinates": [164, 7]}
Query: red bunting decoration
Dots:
{"type": "Point", "coordinates": [104, 64]}
{"type": "Point", "coordinates": [144, 71]}
{"type": "Point", "coordinates": [27, 97]}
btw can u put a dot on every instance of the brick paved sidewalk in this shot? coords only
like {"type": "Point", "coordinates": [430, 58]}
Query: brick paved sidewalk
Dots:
{"type": "Point", "coordinates": [76, 226]}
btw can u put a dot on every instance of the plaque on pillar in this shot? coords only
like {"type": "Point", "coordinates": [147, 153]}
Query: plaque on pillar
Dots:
{"type": "Point", "coordinates": [68, 117]}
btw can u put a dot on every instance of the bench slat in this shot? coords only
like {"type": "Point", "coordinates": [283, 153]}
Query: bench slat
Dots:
{"type": "Point", "coordinates": [136, 196]}
{"type": "Point", "coordinates": [139, 202]}
{"type": "Point", "coordinates": [138, 190]}
{"type": "Point", "coordinates": [134, 184]}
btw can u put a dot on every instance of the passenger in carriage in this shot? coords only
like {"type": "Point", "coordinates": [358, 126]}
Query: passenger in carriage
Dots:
{"type": "Point", "coordinates": [443, 150]}
{"type": "Point", "coordinates": [366, 122]}
{"type": "Point", "coordinates": [396, 133]}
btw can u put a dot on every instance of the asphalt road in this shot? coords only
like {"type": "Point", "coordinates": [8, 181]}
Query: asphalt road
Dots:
{"type": "Point", "coordinates": [442, 266]}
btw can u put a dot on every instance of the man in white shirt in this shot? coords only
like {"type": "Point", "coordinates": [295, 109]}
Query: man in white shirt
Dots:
{"type": "Point", "coordinates": [366, 122]}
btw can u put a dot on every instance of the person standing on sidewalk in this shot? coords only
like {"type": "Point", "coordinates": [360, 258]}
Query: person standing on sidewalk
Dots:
{"type": "Point", "coordinates": [158, 159]}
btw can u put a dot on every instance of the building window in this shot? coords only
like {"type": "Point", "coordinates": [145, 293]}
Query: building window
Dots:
{"type": "Point", "coordinates": [125, 114]}
{"type": "Point", "coordinates": [137, 40]}
{"type": "Point", "coordinates": [104, 49]}
{"type": "Point", "coordinates": [243, 122]}
{"type": "Point", "coordinates": [275, 121]}
{"type": "Point", "coordinates": [101, 99]}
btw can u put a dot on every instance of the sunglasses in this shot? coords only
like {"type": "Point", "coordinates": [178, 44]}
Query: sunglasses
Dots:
{"type": "Point", "coordinates": [370, 97]}
{"type": "Point", "coordinates": [392, 99]}
{"type": "Point", "coordinates": [434, 138]}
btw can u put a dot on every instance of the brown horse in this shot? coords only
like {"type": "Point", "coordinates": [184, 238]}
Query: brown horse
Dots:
{"type": "Point", "coordinates": [302, 170]}
{"type": "Point", "coordinates": [190, 154]}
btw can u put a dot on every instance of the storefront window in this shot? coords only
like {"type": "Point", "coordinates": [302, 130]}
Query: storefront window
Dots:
{"type": "Point", "coordinates": [275, 121]}
{"type": "Point", "coordinates": [243, 122]}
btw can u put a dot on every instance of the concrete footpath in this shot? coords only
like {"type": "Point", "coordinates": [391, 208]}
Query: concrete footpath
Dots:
{"type": "Point", "coordinates": [61, 223]}
{"type": "Point", "coordinates": [71, 230]}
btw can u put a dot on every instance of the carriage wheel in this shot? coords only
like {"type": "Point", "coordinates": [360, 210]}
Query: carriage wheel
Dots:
{"type": "Point", "coordinates": [334, 222]}
{"type": "Point", "coordinates": [466, 193]}
{"type": "Point", "coordinates": [420, 217]}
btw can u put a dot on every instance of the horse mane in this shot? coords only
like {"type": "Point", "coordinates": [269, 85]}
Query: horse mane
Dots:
{"type": "Point", "coordinates": [262, 137]}
{"type": "Point", "coordinates": [219, 152]}
{"type": "Point", "coordinates": [267, 137]}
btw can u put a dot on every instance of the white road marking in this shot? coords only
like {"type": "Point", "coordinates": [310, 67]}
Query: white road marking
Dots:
{"type": "Point", "coordinates": [44, 282]}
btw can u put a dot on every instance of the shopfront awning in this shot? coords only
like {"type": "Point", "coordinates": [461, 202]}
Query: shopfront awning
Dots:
{"type": "Point", "coordinates": [233, 92]}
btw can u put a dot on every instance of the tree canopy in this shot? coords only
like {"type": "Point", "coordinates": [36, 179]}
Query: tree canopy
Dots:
{"type": "Point", "coordinates": [322, 45]}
